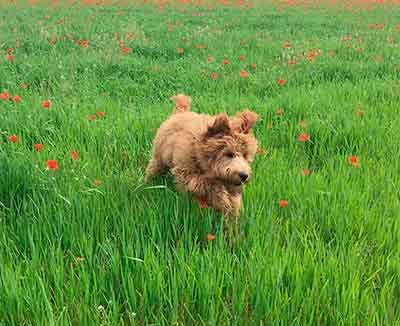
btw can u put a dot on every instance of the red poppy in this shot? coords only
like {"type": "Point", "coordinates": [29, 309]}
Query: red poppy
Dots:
{"type": "Point", "coordinates": [242, 58]}
{"type": "Point", "coordinates": [243, 73]}
{"type": "Point", "coordinates": [4, 96]}
{"type": "Point", "coordinates": [202, 202]}
{"type": "Point", "coordinates": [92, 117]}
{"type": "Point", "coordinates": [253, 66]}
{"type": "Point", "coordinates": [210, 59]}
{"type": "Point", "coordinates": [353, 160]}
{"type": "Point", "coordinates": [38, 147]}
{"type": "Point", "coordinates": [125, 50]}
{"type": "Point", "coordinates": [281, 82]}
{"type": "Point", "coordinates": [304, 137]}
{"type": "Point", "coordinates": [13, 138]}
{"type": "Point", "coordinates": [261, 151]}
{"type": "Point", "coordinates": [226, 62]}
{"type": "Point", "coordinates": [287, 45]}
{"type": "Point", "coordinates": [291, 62]}
{"type": "Point", "coordinates": [52, 165]}
{"type": "Point", "coordinates": [283, 203]}
{"type": "Point", "coordinates": [214, 75]}
{"type": "Point", "coordinates": [211, 237]}
{"type": "Point", "coordinates": [16, 98]}
{"type": "Point", "coordinates": [10, 58]}
{"type": "Point", "coordinates": [306, 171]}
{"type": "Point", "coordinates": [46, 104]}
{"type": "Point", "coordinates": [100, 113]}
{"type": "Point", "coordinates": [10, 50]}
{"type": "Point", "coordinates": [74, 155]}
{"type": "Point", "coordinates": [179, 50]}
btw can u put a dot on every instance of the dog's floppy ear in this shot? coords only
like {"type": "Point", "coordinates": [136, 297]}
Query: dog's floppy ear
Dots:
{"type": "Point", "coordinates": [220, 127]}
{"type": "Point", "coordinates": [244, 121]}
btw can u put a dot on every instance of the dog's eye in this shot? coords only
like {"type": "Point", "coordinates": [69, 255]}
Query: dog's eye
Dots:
{"type": "Point", "coordinates": [230, 155]}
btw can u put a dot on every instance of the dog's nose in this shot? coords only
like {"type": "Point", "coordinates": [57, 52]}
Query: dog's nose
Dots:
{"type": "Point", "coordinates": [243, 176]}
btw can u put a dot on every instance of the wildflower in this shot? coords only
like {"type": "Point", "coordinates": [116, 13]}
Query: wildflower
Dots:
{"type": "Point", "coordinates": [52, 165]}
{"type": "Point", "coordinates": [125, 50]}
{"type": "Point", "coordinates": [179, 50]}
{"type": "Point", "coordinates": [74, 155]}
{"type": "Point", "coordinates": [306, 171]}
{"type": "Point", "coordinates": [226, 62]}
{"type": "Point", "coordinates": [261, 151]}
{"type": "Point", "coordinates": [242, 58]}
{"type": "Point", "coordinates": [10, 58]}
{"type": "Point", "coordinates": [304, 137]}
{"type": "Point", "coordinates": [38, 147]}
{"type": "Point", "coordinates": [253, 66]}
{"type": "Point", "coordinates": [46, 104]}
{"type": "Point", "coordinates": [100, 114]}
{"type": "Point", "coordinates": [287, 45]}
{"type": "Point", "coordinates": [281, 82]}
{"type": "Point", "coordinates": [203, 202]}
{"type": "Point", "coordinates": [280, 112]}
{"type": "Point", "coordinates": [214, 75]}
{"type": "Point", "coordinates": [302, 123]}
{"type": "Point", "coordinates": [283, 203]}
{"type": "Point", "coordinates": [16, 98]}
{"type": "Point", "coordinates": [23, 86]}
{"type": "Point", "coordinates": [4, 96]}
{"type": "Point", "coordinates": [211, 237]}
{"type": "Point", "coordinates": [243, 73]}
{"type": "Point", "coordinates": [13, 138]}
{"type": "Point", "coordinates": [210, 58]}
{"type": "Point", "coordinates": [92, 117]}
{"type": "Point", "coordinates": [353, 160]}
{"type": "Point", "coordinates": [291, 62]}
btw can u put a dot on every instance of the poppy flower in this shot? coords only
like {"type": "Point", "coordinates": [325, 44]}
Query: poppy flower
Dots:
{"type": "Point", "coordinates": [100, 113]}
{"type": "Point", "coordinates": [353, 160]}
{"type": "Point", "coordinates": [179, 50]}
{"type": "Point", "coordinates": [92, 117]}
{"type": "Point", "coordinates": [52, 165]}
{"type": "Point", "coordinates": [38, 147]}
{"type": "Point", "coordinates": [242, 58]}
{"type": "Point", "coordinates": [281, 82]}
{"type": "Point", "coordinates": [13, 138]}
{"type": "Point", "coordinates": [125, 50]}
{"type": "Point", "coordinates": [304, 137]}
{"type": "Point", "coordinates": [226, 62]}
{"type": "Point", "coordinates": [253, 66]}
{"type": "Point", "coordinates": [97, 182]}
{"type": "Point", "coordinates": [74, 155]}
{"type": "Point", "coordinates": [243, 73]}
{"type": "Point", "coordinates": [283, 203]}
{"type": "Point", "coordinates": [211, 237]}
{"type": "Point", "coordinates": [16, 98]}
{"type": "Point", "coordinates": [214, 75]}
{"type": "Point", "coordinates": [306, 171]}
{"type": "Point", "coordinates": [280, 112]}
{"type": "Point", "coordinates": [46, 104]}
{"type": "Point", "coordinates": [23, 86]}
{"type": "Point", "coordinates": [291, 62]}
{"type": "Point", "coordinates": [287, 45]}
{"type": "Point", "coordinates": [10, 50]}
{"type": "Point", "coordinates": [4, 96]}
{"type": "Point", "coordinates": [210, 58]}
{"type": "Point", "coordinates": [261, 151]}
{"type": "Point", "coordinates": [10, 58]}
{"type": "Point", "coordinates": [202, 202]}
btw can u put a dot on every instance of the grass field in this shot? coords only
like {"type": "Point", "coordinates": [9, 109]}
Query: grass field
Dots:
{"type": "Point", "coordinates": [83, 241]}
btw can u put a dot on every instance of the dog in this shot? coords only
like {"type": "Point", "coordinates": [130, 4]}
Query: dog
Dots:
{"type": "Point", "coordinates": [209, 156]}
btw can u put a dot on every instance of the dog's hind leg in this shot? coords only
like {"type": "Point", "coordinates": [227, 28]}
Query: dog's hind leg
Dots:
{"type": "Point", "coordinates": [154, 168]}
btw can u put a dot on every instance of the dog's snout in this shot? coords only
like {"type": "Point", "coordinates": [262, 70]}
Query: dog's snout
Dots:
{"type": "Point", "coordinates": [243, 176]}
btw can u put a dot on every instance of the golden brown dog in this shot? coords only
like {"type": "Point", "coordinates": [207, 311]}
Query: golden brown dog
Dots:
{"type": "Point", "coordinates": [209, 156]}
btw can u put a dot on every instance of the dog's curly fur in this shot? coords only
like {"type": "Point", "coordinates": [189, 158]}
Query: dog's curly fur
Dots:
{"type": "Point", "coordinates": [209, 156]}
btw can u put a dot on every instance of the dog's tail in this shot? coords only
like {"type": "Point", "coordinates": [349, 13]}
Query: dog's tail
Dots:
{"type": "Point", "coordinates": [182, 103]}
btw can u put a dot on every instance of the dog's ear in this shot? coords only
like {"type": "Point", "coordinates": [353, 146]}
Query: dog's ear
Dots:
{"type": "Point", "coordinates": [244, 121]}
{"type": "Point", "coordinates": [220, 127]}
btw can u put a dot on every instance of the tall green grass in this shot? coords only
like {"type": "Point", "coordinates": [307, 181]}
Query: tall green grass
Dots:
{"type": "Point", "coordinates": [90, 243]}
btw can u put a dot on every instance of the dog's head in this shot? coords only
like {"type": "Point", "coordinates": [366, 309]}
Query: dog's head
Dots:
{"type": "Point", "coordinates": [228, 147]}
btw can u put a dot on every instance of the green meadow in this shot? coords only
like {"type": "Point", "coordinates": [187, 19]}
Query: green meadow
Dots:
{"type": "Point", "coordinates": [83, 89]}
